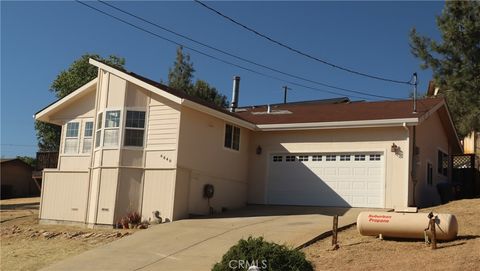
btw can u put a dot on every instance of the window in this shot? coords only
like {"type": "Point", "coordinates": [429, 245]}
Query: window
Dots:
{"type": "Point", "coordinates": [134, 128]}
{"type": "Point", "coordinates": [277, 158]}
{"type": "Point", "coordinates": [71, 138]}
{"type": "Point", "coordinates": [359, 157]}
{"type": "Point", "coordinates": [87, 137]}
{"type": "Point", "coordinates": [290, 158]}
{"type": "Point", "coordinates": [374, 157]}
{"type": "Point", "coordinates": [330, 157]}
{"type": "Point", "coordinates": [98, 133]}
{"type": "Point", "coordinates": [442, 163]}
{"type": "Point", "coordinates": [303, 158]}
{"type": "Point", "coordinates": [345, 157]}
{"type": "Point", "coordinates": [232, 137]}
{"type": "Point", "coordinates": [429, 173]}
{"type": "Point", "coordinates": [111, 132]}
{"type": "Point", "coordinates": [316, 158]}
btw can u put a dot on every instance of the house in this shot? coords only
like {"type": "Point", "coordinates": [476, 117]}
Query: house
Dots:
{"type": "Point", "coordinates": [16, 179]}
{"type": "Point", "coordinates": [132, 144]}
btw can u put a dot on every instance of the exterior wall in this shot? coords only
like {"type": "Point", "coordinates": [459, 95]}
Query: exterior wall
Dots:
{"type": "Point", "coordinates": [332, 140]}
{"type": "Point", "coordinates": [430, 138]}
{"type": "Point", "coordinates": [203, 159]}
{"type": "Point", "coordinates": [64, 195]}
{"type": "Point", "coordinates": [16, 180]}
{"type": "Point", "coordinates": [158, 193]}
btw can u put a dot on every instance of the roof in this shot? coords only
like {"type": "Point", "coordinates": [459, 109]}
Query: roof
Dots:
{"type": "Point", "coordinates": [318, 114]}
{"type": "Point", "coordinates": [9, 160]}
{"type": "Point", "coordinates": [338, 112]}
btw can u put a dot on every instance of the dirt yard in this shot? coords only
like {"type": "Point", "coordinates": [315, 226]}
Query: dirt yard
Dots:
{"type": "Point", "coordinates": [358, 252]}
{"type": "Point", "coordinates": [26, 245]}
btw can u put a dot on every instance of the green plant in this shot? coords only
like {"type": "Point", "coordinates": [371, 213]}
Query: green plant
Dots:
{"type": "Point", "coordinates": [263, 254]}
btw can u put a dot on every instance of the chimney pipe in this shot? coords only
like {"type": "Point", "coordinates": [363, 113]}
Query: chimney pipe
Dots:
{"type": "Point", "coordinates": [235, 90]}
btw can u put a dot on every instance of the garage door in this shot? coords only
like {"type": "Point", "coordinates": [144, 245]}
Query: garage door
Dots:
{"type": "Point", "coordinates": [326, 179]}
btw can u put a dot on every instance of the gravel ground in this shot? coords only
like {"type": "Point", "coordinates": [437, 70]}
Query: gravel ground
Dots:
{"type": "Point", "coordinates": [358, 252]}
{"type": "Point", "coordinates": [27, 245]}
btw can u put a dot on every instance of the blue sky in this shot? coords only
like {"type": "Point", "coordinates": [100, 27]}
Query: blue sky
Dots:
{"type": "Point", "coordinates": [40, 39]}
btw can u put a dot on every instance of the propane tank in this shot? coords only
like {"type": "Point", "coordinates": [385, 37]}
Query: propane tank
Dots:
{"type": "Point", "coordinates": [406, 225]}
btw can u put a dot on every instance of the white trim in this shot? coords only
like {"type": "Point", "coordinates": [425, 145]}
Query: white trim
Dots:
{"type": "Point", "coordinates": [42, 114]}
{"type": "Point", "coordinates": [338, 124]}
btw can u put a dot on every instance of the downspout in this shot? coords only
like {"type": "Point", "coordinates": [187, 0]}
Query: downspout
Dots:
{"type": "Point", "coordinates": [407, 164]}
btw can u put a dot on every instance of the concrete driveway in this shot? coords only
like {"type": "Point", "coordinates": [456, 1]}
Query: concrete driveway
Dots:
{"type": "Point", "coordinates": [196, 244]}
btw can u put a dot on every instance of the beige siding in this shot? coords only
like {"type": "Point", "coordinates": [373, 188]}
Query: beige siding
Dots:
{"type": "Point", "coordinates": [116, 92]}
{"type": "Point", "coordinates": [64, 196]}
{"type": "Point", "coordinates": [430, 138]}
{"type": "Point", "coordinates": [107, 196]}
{"type": "Point", "coordinates": [83, 107]}
{"type": "Point", "coordinates": [73, 162]}
{"type": "Point", "coordinates": [163, 122]}
{"type": "Point", "coordinates": [129, 192]}
{"type": "Point", "coordinates": [136, 96]}
{"type": "Point", "coordinates": [203, 155]}
{"type": "Point", "coordinates": [338, 140]}
{"type": "Point", "coordinates": [158, 193]}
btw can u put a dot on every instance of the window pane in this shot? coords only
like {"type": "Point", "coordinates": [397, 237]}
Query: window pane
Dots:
{"type": "Point", "coordinates": [99, 121]}
{"type": "Point", "coordinates": [112, 119]}
{"type": "Point", "coordinates": [72, 129]}
{"type": "Point", "coordinates": [134, 137]}
{"type": "Point", "coordinates": [110, 138]}
{"type": "Point", "coordinates": [70, 145]}
{"type": "Point", "coordinates": [135, 119]}
{"type": "Point", "coordinates": [88, 129]}
{"type": "Point", "coordinates": [236, 138]}
{"type": "Point", "coordinates": [97, 138]}
{"type": "Point", "coordinates": [87, 145]}
{"type": "Point", "coordinates": [228, 135]}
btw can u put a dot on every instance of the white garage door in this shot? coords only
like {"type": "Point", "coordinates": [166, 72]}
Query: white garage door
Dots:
{"type": "Point", "coordinates": [326, 179]}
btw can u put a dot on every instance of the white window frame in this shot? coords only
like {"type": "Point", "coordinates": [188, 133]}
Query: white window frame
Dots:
{"type": "Point", "coordinates": [84, 137]}
{"type": "Point", "coordinates": [331, 157]}
{"type": "Point", "coordinates": [71, 137]}
{"type": "Point", "coordinates": [316, 158]}
{"type": "Point", "coordinates": [360, 157]}
{"type": "Point", "coordinates": [125, 128]}
{"type": "Point", "coordinates": [105, 128]}
{"type": "Point", "coordinates": [231, 147]}
{"type": "Point", "coordinates": [98, 142]}
{"type": "Point", "coordinates": [345, 157]}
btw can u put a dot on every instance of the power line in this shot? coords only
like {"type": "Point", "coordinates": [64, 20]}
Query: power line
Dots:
{"type": "Point", "coordinates": [217, 58]}
{"type": "Point", "coordinates": [300, 52]}
{"type": "Point", "coordinates": [241, 58]}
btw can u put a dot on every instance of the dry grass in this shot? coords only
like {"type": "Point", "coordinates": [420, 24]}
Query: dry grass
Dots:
{"type": "Point", "coordinates": [27, 245]}
{"type": "Point", "coordinates": [369, 253]}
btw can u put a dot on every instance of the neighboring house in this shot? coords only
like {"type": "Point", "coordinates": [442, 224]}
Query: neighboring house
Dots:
{"type": "Point", "coordinates": [16, 179]}
{"type": "Point", "coordinates": [131, 144]}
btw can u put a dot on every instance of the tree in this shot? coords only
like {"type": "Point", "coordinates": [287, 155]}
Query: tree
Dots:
{"type": "Point", "coordinates": [180, 76]}
{"type": "Point", "coordinates": [455, 61]}
{"type": "Point", "coordinates": [78, 74]}
{"type": "Point", "coordinates": [28, 160]}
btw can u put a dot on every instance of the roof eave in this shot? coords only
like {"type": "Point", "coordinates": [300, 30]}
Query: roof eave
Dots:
{"type": "Point", "coordinates": [338, 124]}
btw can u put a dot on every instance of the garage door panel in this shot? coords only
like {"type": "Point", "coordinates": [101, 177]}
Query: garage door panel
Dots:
{"type": "Point", "coordinates": [339, 180]}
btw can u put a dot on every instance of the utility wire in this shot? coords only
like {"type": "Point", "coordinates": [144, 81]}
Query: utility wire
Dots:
{"type": "Point", "coordinates": [300, 52]}
{"type": "Point", "coordinates": [214, 57]}
{"type": "Point", "coordinates": [241, 58]}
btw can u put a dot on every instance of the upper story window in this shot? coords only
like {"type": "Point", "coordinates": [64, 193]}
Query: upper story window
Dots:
{"type": "Point", "coordinates": [442, 163]}
{"type": "Point", "coordinates": [232, 137]}
{"type": "Point", "coordinates": [316, 158]}
{"type": "Point", "coordinates": [87, 137]}
{"type": "Point", "coordinates": [303, 158]}
{"type": "Point", "coordinates": [112, 128]}
{"type": "Point", "coordinates": [134, 128]}
{"type": "Point", "coordinates": [98, 133]}
{"type": "Point", "coordinates": [71, 138]}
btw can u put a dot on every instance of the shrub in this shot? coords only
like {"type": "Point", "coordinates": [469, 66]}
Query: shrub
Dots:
{"type": "Point", "coordinates": [265, 255]}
